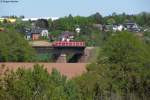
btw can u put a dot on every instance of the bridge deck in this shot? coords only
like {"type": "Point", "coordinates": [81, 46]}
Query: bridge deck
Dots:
{"type": "Point", "coordinates": [57, 44]}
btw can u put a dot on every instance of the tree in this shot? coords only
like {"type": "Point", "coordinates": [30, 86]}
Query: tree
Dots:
{"type": "Point", "coordinates": [121, 70]}
{"type": "Point", "coordinates": [13, 47]}
{"type": "Point", "coordinates": [97, 17]}
{"type": "Point", "coordinates": [37, 84]}
{"type": "Point", "coordinates": [42, 23]}
{"type": "Point", "coordinates": [123, 63]}
{"type": "Point", "coordinates": [50, 22]}
{"type": "Point", "coordinates": [147, 37]}
{"type": "Point", "coordinates": [111, 21]}
{"type": "Point", "coordinates": [21, 26]}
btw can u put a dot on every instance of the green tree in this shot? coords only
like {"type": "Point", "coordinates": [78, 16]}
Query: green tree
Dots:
{"type": "Point", "coordinates": [42, 23]}
{"type": "Point", "coordinates": [111, 21]}
{"type": "Point", "coordinates": [13, 47]}
{"type": "Point", "coordinates": [37, 84]}
{"type": "Point", "coordinates": [121, 70]}
{"type": "Point", "coordinates": [97, 18]}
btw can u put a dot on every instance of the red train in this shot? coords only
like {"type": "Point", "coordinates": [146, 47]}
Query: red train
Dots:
{"type": "Point", "coordinates": [68, 44]}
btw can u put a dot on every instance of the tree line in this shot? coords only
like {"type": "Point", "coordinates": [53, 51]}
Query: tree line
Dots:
{"type": "Point", "coordinates": [70, 22]}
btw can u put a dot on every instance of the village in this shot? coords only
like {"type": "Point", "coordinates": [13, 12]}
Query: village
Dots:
{"type": "Point", "coordinates": [36, 33]}
{"type": "Point", "coordinates": [66, 42]}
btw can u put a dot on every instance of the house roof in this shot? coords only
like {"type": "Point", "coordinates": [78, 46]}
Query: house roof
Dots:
{"type": "Point", "coordinates": [28, 33]}
{"type": "Point", "coordinates": [67, 33]}
{"type": "Point", "coordinates": [2, 29]}
{"type": "Point", "coordinates": [37, 30]}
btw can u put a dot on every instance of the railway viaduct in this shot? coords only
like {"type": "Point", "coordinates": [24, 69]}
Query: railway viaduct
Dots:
{"type": "Point", "coordinates": [65, 52]}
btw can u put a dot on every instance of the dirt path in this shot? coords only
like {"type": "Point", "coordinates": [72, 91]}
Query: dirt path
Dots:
{"type": "Point", "coordinates": [68, 69]}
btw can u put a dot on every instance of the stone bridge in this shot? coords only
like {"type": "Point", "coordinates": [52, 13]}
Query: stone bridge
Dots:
{"type": "Point", "coordinates": [66, 52]}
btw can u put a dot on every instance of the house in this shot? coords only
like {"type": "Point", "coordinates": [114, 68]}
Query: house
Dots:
{"type": "Point", "coordinates": [133, 27]}
{"type": "Point", "coordinates": [107, 28]}
{"type": "Point", "coordinates": [35, 36]}
{"type": "Point", "coordinates": [36, 33]}
{"type": "Point", "coordinates": [2, 29]}
{"type": "Point", "coordinates": [28, 36]}
{"type": "Point", "coordinates": [9, 20]}
{"type": "Point", "coordinates": [44, 33]}
{"type": "Point", "coordinates": [117, 28]}
{"type": "Point", "coordinates": [67, 36]}
{"type": "Point", "coordinates": [98, 26]}
{"type": "Point", "coordinates": [78, 30]}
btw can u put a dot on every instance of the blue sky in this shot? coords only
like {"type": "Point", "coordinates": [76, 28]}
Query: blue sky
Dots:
{"type": "Point", "coordinates": [59, 8]}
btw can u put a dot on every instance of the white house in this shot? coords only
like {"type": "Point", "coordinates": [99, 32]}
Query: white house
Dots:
{"type": "Point", "coordinates": [36, 33]}
{"type": "Point", "coordinates": [44, 33]}
{"type": "Point", "coordinates": [133, 27]}
{"type": "Point", "coordinates": [118, 28]}
{"type": "Point", "coordinates": [78, 30]}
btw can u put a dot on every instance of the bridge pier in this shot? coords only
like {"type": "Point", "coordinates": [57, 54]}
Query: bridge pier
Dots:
{"type": "Point", "coordinates": [62, 58]}
{"type": "Point", "coordinates": [86, 55]}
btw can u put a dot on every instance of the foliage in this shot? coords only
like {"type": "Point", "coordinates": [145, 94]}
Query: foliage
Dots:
{"type": "Point", "coordinates": [142, 18]}
{"type": "Point", "coordinates": [111, 21]}
{"type": "Point", "coordinates": [121, 70]}
{"type": "Point", "coordinates": [97, 18]}
{"type": "Point", "coordinates": [54, 35]}
{"type": "Point", "coordinates": [37, 84]}
{"type": "Point", "coordinates": [69, 23]}
{"type": "Point", "coordinates": [147, 37]}
{"type": "Point", "coordinates": [13, 47]}
{"type": "Point", "coordinates": [42, 23]}
{"type": "Point", "coordinates": [46, 57]}
{"type": "Point", "coordinates": [21, 26]}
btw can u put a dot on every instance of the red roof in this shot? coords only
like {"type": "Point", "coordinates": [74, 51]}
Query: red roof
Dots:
{"type": "Point", "coordinates": [2, 29]}
{"type": "Point", "coordinates": [68, 44]}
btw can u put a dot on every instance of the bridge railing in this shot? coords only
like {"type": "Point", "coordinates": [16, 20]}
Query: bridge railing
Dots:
{"type": "Point", "coordinates": [68, 44]}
